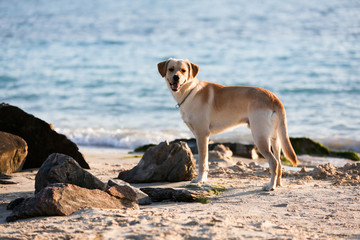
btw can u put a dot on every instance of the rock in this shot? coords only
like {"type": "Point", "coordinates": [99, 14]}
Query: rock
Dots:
{"type": "Point", "coordinates": [221, 155]}
{"type": "Point", "coordinates": [164, 162]}
{"type": "Point", "coordinates": [14, 203]}
{"type": "Point", "coordinates": [238, 149]}
{"type": "Point", "coordinates": [62, 199]}
{"type": "Point", "coordinates": [60, 168]}
{"type": "Point", "coordinates": [143, 148]}
{"type": "Point", "coordinates": [123, 192]}
{"type": "Point", "coordinates": [241, 150]}
{"type": "Point", "coordinates": [308, 146]}
{"type": "Point", "coordinates": [13, 151]}
{"type": "Point", "coordinates": [142, 198]}
{"type": "Point", "coordinates": [301, 146]}
{"type": "Point", "coordinates": [177, 195]}
{"type": "Point", "coordinates": [191, 142]}
{"type": "Point", "coordinates": [42, 140]}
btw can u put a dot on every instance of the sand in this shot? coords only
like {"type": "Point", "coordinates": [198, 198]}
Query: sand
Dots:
{"type": "Point", "coordinates": [301, 209]}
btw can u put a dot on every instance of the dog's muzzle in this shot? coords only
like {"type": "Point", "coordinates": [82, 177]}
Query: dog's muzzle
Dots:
{"type": "Point", "coordinates": [175, 85]}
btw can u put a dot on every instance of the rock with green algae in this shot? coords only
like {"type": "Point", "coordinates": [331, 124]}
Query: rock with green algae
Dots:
{"type": "Point", "coordinates": [308, 146]}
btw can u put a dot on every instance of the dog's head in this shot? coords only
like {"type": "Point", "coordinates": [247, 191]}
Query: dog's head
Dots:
{"type": "Point", "coordinates": [177, 72]}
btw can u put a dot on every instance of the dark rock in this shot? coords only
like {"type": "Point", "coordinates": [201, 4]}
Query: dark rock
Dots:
{"type": "Point", "coordinates": [13, 151]}
{"type": "Point", "coordinates": [171, 194]}
{"type": "Point", "coordinates": [308, 146]}
{"type": "Point", "coordinates": [63, 199]}
{"type": "Point", "coordinates": [164, 162]}
{"type": "Point", "coordinates": [238, 149]}
{"type": "Point", "coordinates": [159, 194]}
{"type": "Point", "coordinates": [143, 148]}
{"type": "Point", "coordinates": [301, 146]}
{"type": "Point", "coordinates": [191, 142]}
{"type": "Point", "coordinates": [42, 140]}
{"type": "Point", "coordinates": [14, 203]}
{"type": "Point", "coordinates": [345, 154]}
{"type": "Point", "coordinates": [142, 198]}
{"type": "Point", "coordinates": [60, 168]}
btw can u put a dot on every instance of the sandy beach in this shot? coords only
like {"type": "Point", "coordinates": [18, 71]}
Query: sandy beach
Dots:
{"type": "Point", "coordinates": [301, 209]}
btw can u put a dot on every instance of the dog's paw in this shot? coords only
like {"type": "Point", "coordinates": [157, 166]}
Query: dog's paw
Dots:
{"type": "Point", "coordinates": [269, 187]}
{"type": "Point", "coordinates": [200, 179]}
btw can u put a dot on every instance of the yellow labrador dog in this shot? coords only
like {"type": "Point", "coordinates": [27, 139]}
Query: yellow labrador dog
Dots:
{"type": "Point", "coordinates": [209, 108]}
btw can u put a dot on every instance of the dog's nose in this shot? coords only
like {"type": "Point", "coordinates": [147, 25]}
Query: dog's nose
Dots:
{"type": "Point", "coordinates": [176, 78]}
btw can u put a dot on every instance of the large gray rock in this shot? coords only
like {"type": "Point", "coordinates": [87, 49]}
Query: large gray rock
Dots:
{"type": "Point", "coordinates": [13, 151]}
{"type": "Point", "coordinates": [120, 185]}
{"type": "Point", "coordinates": [60, 168]}
{"type": "Point", "coordinates": [63, 199]}
{"type": "Point", "coordinates": [41, 138]}
{"type": "Point", "coordinates": [164, 162]}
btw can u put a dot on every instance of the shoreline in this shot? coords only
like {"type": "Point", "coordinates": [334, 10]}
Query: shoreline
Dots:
{"type": "Point", "coordinates": [298, 210]}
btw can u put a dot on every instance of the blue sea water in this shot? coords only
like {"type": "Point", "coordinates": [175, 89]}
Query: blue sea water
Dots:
{"type": "Point", "coordinates": [89, 67]}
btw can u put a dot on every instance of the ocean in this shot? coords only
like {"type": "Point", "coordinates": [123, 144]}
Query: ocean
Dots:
{"type": "Point", "coordinates": [90, 67]}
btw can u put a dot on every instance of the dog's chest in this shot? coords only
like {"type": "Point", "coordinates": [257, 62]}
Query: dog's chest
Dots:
{"type": "Point", "coordinates": [188, 119]}
{"type": "Point", "coordinates": [185, 116]}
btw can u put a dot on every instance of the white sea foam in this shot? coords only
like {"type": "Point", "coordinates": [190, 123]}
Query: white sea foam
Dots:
{"type": "Point", "coordinates": [119, 138]}
{"type": "Point", "coordinates": [132, 138]}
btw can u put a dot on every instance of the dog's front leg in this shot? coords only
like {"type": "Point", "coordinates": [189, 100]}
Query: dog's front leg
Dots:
{"type": "Point", "coordinates": [202, 144]}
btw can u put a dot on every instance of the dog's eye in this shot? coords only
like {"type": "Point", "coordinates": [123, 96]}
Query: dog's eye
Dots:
{"type": "Point", "coordinates": [183, 70]}
{"type": "Point", "coordinates": [171, 69]}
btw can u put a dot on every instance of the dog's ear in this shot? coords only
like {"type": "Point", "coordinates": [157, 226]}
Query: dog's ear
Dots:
{"type": "Point", "coordinates": [162, 67]}
{"type": "Point", "coordinates": [193, 69]}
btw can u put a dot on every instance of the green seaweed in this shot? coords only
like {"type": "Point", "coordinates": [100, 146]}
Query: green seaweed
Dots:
{"type": "Point", "coordinates": [217, 189]}
{"type": "Point", "coordinates": [308, 146]}
{"type": "Point", "coordinates": [132, 156]}
{"type": "Point", "coordinates": [305, 145]}
{"type": "Point", "coordinates": [203, 200]}
{"type": "Point", "coordinates": [347, 154]}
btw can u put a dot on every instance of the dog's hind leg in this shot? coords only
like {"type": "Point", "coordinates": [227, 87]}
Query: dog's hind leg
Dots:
{"type": "Point", "coordinates": [263, 125]}
{"type": "Point", "coordinates": [276, 148]}
{"type": "Point", "coordinates": [264, 148]}
{"type": "Point", "coordinates": [202, 144]}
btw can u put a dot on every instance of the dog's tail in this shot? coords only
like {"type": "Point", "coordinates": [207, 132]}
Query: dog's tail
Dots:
{"type": "Point", "coordinates": [284, 138]}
